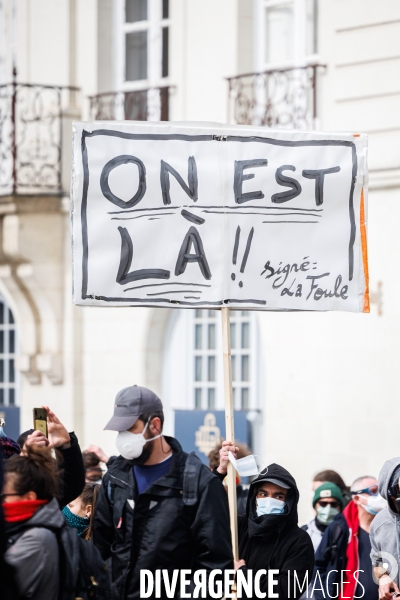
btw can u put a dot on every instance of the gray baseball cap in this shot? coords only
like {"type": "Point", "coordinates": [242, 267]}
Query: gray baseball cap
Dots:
{"type": "Point", "coordinates": [281, 484]}
{"type": "Point", "coordinates": [130, 403]}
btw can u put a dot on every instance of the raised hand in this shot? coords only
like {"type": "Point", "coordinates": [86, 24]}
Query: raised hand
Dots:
{"type": "Point", "coordinates": [223, 456]}
{"type": "Point", "coordinates": [58, 435]}
{"type": "Point", "coordinates": [36, 438]}
{"type": "Point", "coordinates": [101, 455]}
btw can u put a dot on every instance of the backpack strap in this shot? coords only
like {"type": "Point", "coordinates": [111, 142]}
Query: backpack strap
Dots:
{"type": "Point", "coordinates": [11, 539]}
{"type": "Point", "coordinates": [191, 476]}
{"type": "Point", "coordinates": [336, 533]}
{"type": "Point", "coordinates": [110, 493]}
{"type": "Point", "coordinates": [335, 537]}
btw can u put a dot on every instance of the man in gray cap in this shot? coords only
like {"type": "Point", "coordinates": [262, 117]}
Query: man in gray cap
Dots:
{"type": "Point", "coordinates": [158, 507]}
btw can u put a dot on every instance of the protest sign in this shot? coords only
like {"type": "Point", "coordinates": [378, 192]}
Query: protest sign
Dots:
{"type": "Point", "coordinates": [197, 215]}
{"type": "Point", "coordinates": [221, 217]}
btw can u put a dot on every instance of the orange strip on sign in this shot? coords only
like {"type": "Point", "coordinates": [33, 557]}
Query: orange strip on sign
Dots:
{"type": "Point", "coordinates": [366, 307]}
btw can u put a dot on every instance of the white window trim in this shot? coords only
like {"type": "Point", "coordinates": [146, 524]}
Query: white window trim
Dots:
{"type": "Point", "coordinates": [154, 25]}
{"type": "Point", "coordinates": [300, 58]}
{"type": "Point", "coordinates": [187, 400]}
{"type": "Point", "coordinates": [6, 356]}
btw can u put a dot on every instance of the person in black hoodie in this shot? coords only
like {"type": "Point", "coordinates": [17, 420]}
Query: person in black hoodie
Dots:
{"type": "Point", "coordinates": [269, 536]}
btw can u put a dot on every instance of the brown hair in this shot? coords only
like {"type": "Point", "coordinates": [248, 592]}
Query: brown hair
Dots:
{"type": "Point", "coordinates": [89, 496]}
{"type": "Point", "coordinates": [90, 459]}
{"type": "Point", "coordinates": [34, 471]}
{"type": "Point", "coordinates": [213, 456]}
{"type": "Point", "coordinates": [331, 476]}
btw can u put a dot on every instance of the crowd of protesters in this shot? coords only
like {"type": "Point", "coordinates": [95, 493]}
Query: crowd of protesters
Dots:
{"type": "Point", "coordinates": [84, 525]}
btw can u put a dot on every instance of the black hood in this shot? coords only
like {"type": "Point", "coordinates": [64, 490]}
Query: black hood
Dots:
{"type": "Point", "coordinates": [260, 526]}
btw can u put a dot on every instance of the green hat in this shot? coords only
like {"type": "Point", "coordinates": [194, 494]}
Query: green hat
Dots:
{"type": "Point", "coordinates": [328, 490]}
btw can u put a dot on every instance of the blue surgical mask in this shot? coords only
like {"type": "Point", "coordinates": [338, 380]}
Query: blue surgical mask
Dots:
{"type": "Point", "coordinates": [375, 504]}
{"type": "Point", "coordinates": [269, 506]}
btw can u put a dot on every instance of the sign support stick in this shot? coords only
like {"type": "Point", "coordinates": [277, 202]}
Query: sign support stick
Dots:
{"type": "Point", "coordinates": [229, 425]}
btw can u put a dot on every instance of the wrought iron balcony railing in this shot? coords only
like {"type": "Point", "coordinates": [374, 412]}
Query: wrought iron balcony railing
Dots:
{"type": "Point", "coordinates": [31, 137]}
{"type": "Point", "coordinates": [142, 105]}
{"type": "Point", "coordinates": [282, 98]}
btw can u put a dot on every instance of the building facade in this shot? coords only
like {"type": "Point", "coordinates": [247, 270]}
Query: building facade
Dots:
{"type": "Point", "coordinates": [318, 389]}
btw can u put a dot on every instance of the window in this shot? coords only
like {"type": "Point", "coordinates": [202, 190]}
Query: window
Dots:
{"type": "Point", "coordinates": [285, 33]}
{"type": "Point", "coordinates": [205, 357]}
{"type": "Point", "coordinates": [8, 350]}
{"type": "Point", "coordinates": [241, 359]}
{"type": "Point", "coordinates": [207, 382]}
{"type": "Point", "coordinates": [193, 366]}
{"type": "Point", "coordinates": [142, 43]}
{"type": "Point", "coordinates": [279, 33]}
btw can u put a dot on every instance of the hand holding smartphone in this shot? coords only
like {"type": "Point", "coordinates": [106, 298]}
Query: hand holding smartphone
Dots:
{"type": "Point", "coordinates": [40, 420]}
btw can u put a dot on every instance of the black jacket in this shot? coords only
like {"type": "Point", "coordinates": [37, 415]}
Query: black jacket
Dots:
{"type": "Point", "coordinates": [242, 493]}
{"type": "Point", "coordinates": [276, 541]}
{"type": "Point", "coordinates": [157, 529]}
{"type": "Point", "coordinates": [73, 471]}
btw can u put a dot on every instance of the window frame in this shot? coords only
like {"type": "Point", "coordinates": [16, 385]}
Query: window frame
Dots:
{"type": "Point", "coordinates": [300, 55]}
{"type": "Point", "coordinates": [8, 356]}
{"type": "Point", "coordinates": [236, 318]}
{"type": "Point", "coordinates": [154, 25]}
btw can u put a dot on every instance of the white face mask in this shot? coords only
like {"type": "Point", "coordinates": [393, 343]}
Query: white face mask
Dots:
{"type": "Point", "coordinates": [130, 445]}
{"type": "Point", "coordinates": [246, 466]}
{"type": "Point", "coordinates": [269, 506]}
{"type": "Point", "coordinates": [326, 514]}
{"type": "Point", "coordinates": [375, 504]}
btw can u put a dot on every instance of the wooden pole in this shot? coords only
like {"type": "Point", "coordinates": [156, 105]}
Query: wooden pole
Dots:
{"type": "Point", "coordinates": [229, 423]}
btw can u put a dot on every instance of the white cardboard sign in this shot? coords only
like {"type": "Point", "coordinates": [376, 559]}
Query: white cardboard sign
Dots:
{"type": "Point", "coordinates": [202, 215]}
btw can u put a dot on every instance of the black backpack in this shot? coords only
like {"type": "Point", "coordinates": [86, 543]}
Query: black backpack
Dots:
{"type": "Point", "coordinates": [83, 573]}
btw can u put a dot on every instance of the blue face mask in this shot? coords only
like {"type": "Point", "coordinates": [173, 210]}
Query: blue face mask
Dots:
{"type": "Point", "coordinates": [269, 506]}
{"type": "Point", "coordinates": [79, 523]}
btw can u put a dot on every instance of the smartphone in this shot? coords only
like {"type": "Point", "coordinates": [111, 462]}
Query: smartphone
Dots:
{"type": "Point", "coordinates": [40, 420]}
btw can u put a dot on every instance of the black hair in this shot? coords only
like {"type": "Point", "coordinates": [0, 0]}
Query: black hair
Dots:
{"type": "Point", "coordinates": [34, 471]}
{"type": "Point", "coordinates": [22, 437]}
{"type": "Point", "coordinates": [149, 416]}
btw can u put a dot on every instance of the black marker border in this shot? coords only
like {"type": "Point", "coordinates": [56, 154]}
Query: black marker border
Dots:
{"type": "Point", "coordinates": [199, 138]}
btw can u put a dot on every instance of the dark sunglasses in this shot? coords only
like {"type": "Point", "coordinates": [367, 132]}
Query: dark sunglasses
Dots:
{"type": "Point", "coordinates": [324, 504]}
{"type": "Point", "coordinates": [372, 490]}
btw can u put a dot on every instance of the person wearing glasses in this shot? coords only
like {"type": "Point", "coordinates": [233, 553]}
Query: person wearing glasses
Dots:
{"type": "Point", "coordinates": [384, 533]}
{"type": "Point", "coordinates": [342, 561]}
{"type": "Point", "coordinates": [327, 503]}
{"type": "Point", "coordinates": [33, 520]}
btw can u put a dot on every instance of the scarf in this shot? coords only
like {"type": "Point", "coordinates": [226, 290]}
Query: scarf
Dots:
{"type": "Point", "coordinates": [79, 523]}
{"type": "Point", "coordinates": [350, 513]}
{"type": "Point", "coordinates": [21, 510]}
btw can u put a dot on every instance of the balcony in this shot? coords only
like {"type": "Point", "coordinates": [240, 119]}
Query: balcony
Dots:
{"type": "Point", "coordinates": [150, 104]}
{"type": "Point", "coordinates": [32, 120]}
{"type": "Point", "coordinates": [279, 98]}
